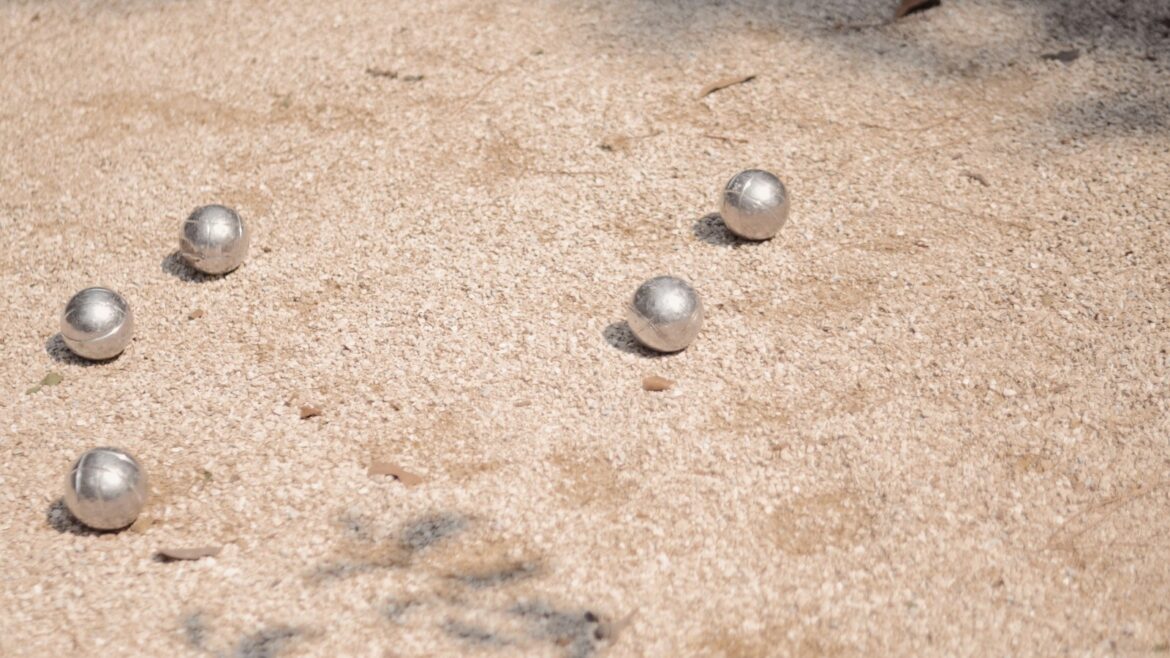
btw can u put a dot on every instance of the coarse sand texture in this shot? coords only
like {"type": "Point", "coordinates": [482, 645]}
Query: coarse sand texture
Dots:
{"type": "Point", "coordinates": [928, 418]}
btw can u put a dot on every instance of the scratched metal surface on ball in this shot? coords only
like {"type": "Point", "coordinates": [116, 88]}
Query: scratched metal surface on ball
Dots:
{"type": "Point", "coordinates": [97, 324]}
{"type": "Point", "coordinates": [755, 204]}
{"type": "Point", "coordinates": [106, 489]}
{"type": "Point", "coordinates": [665, 314]}
{"type": "Point", "coordinates": [214, 239]}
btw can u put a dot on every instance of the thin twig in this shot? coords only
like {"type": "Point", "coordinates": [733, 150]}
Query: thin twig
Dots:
{"type": "Point", "coordinates": [725, 83]}
{"type": "Point", "coordinates": [724, 138]}
{"type": "Point", "coordinates": [491, 81]}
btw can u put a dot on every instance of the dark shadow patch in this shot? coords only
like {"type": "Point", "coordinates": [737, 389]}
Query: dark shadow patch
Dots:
{"type": "Point", "coordinates": [1117, 114]}
{"type": "Point", "coordinates": [355, 527]}
{"type": "Point", "coordinates": [58, 351]}
{"type": "Point", "coordinates": [681, 25]}
{"type": "Point", "coordinates": [473, 634]}
{"type": "Point", "coordinates": [1113, 25]}
{"type": "Point", "coordinates": [174, 265]}
{"type": "Point", "coordinates": [507, 574]}
{"type": "Point", "coordinates": [869, 34]}
{"type": "Point", "coordinates": [430, 530]}
{"type": "Point", "coordinates": [62, 520]}
{"type": "Point", "coordinates": [267, 643]}
{"type": "Point", "coordinates": [619, 336]}
{"type": "Point", "coordinates": [342, 569]}
{"type": "Point", "coordinates": [363, 552]}
{"type": "Point", "coordinates": [195, 630]}
{"type": "Point", "coordinates": [580, 632]}
{"type": "Point", "coordinates": [712, 230]}
{"type": "Point", "coordinates": [396, 609]}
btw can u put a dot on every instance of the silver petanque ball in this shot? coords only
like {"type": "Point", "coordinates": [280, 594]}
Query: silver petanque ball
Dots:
{"type": "Point", "coordinates": [214, 239]}
{"type": "Point", "coordinates": [755, 204]}
{"type": "Point", "coordinates": [665, 314]}
{"type": "Point", "coordinates": [106, 489]}
{"type": "Point", "coordinates": [97, 324]}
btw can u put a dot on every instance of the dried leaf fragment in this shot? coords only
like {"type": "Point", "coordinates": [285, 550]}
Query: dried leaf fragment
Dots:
{"type": "Point", "coordinates": [196, 553]}
{"type": "Point", "coordinates": [51, 379]}
{"type": "Point", "coordinates": [309, 411]}
{"type": "Point", "coordinates": [725, 83]}
{"type": "Point", "coordinates": [656, 383]}
{"type": "Point", "coordinates": [615, 143]}
{"type": "Point", "coordinates": [977, 177]}
{"type": "Point", "coordinates": [401, 474]}
{"type": "Point", "coordinates": [609, 629]}
{"type": "Point", "coordinates": [911, 6]}
{"type": "Point", "coordinates": [1064, 56]}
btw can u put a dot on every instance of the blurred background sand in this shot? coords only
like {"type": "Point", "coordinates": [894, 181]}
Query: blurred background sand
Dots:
{"type": "Point", "coordinates": [930, 418]}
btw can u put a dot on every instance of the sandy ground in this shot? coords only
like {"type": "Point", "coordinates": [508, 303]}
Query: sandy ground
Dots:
{"type": "Point", "coordinates": [930, 418]}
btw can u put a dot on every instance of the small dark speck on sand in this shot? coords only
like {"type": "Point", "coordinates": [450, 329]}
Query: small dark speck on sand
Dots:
{"type": "Point", "coordinates": [355, 527]}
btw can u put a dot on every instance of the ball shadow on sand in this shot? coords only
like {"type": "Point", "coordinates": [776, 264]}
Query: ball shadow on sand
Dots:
{"type": "Point", "coordinates": [619, 335]}
{"type": "Point", "coordinates": [711, 229]}
{"type": "Point", "coordinates": [174, 265]}
{"type": "Point", "coordinates": [57, 350]}
{"type": "Point", "coordinates": [62, 520]}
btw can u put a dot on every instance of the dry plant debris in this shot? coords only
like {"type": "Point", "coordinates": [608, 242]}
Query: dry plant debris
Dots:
{"type": "Point", "coordinates": [1064, 56]}
{"type": "Point", "coordinates": [196, 553]}
{"type": "Point", "coordinates": [615, 143]}
{"type": "Point", "coordinates": [51, 379]}
{"type": "Point", "coordinates": [911, 6]}
{"type": "Point", "coordinates": [656, 383]}
{"type": "Point", "coordinates": [401, 474]}
{"type": "Point", "coordinates": [977, 177]}
{"type": "Point", "coordinates": [724, 83]}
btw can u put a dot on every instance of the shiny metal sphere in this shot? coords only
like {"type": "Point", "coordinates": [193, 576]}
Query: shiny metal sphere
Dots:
{"type": "Point", "coordinates": [97, 324]}
{"type": "Point", "coordinates": [106, 489]}
{"type": "Point", "coordinates": [214, 239]}
{"type": "Point", "coordinates": [755, 204]}
{"type": "Point", "coordinates": [665, 314]}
